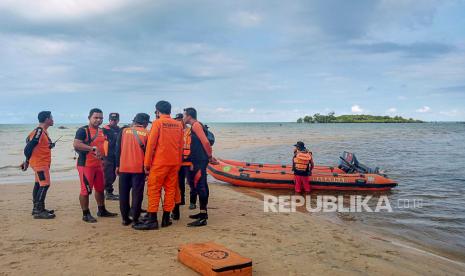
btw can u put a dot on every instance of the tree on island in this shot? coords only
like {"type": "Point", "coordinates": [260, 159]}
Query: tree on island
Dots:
{"type": "Point", "coordinates": [331, 118]}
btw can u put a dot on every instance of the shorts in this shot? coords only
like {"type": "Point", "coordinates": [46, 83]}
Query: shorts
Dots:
{"type": "Point", "coordinates": [42, 175]}
{"type": "Point", "coordinates": [91, 178]}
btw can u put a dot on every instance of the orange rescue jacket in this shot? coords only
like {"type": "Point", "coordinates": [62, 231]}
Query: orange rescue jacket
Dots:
{"type": "Point", "coordinates": [165, 144]}
{"type": "Point", "coordinates": [130, 150]}
{"type": "Point", "coordinates": [302, 160]}
{"type": "Point", "coordinates": [42, 154]}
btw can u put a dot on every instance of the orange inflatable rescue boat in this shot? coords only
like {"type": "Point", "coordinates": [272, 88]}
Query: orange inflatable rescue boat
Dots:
{"type": "Point", "coordinates": [350, 175]}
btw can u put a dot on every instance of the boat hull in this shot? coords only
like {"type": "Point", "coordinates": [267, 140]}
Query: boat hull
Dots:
{"type": "Point", "coordinates": [284, 179]}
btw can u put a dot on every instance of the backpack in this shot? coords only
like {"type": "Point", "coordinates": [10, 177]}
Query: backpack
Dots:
{"type": "Point", "coordinates": [208, 133]}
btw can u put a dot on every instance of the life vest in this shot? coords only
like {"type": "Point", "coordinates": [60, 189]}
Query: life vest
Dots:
{"type": "Point", "coordinates": [87, 159]}
{"type": "Point", "coordinates": [186, 150]}
{"type": "Point", "coordinates": [302, 160]}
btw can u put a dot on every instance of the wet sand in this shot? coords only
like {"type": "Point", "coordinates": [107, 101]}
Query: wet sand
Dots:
{"type": "Point", "coordinates": [279, 244]}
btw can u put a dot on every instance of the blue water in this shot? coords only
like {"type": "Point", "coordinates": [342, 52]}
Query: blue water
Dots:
{"type": "Point", "coordinates": [427, 161]}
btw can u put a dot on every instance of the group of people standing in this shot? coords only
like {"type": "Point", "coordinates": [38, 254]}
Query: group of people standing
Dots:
{"type": "Point", "coordinates": [173, 150]}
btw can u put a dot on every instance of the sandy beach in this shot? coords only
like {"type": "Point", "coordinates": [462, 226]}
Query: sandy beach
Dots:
{"type": "Point", "coordinates": [279, 244]}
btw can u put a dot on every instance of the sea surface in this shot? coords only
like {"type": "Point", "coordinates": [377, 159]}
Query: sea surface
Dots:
{"type": "Point", "coordinates": [427, 160]}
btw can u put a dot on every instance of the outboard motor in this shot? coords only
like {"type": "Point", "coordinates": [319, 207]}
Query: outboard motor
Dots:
{"type": "Point", "coordinates": [350, 164]}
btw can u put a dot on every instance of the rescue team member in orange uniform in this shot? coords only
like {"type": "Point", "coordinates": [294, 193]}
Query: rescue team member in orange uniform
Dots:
{"type": "Point", "coordinates": [302, 165]}
{"type": "Point", "coordinates": [200, 155]}
{"type": "Point", "coordinates": [111, 131]}
{"type": "Point", "coordinates": [38, 152]}
{"type": "Point", "coordinates": [130, 152]}
{"type": "Point", "coordinates": [183, 171]}
{"type": "Point", "coordinates": [162, 162]}
{"type": "Point", "coordinates": [89, 143]}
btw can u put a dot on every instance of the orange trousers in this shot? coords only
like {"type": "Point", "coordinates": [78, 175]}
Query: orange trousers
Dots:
{"type": "Point", "coordinates": [165, 177]}
{"type": "Point", "coordinates": [42, 175]}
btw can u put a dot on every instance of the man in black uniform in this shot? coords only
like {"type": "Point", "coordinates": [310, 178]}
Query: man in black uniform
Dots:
{"type": "Point", "coordinates": [111, 130]}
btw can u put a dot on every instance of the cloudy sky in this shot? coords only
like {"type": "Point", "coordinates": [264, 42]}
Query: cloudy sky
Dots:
{"type": "Point", "coordinates": [232, 60]}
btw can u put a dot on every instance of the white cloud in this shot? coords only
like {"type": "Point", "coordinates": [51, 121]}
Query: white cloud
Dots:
{"type": "Point", "coordinates": [130, 69]}
{"type": "Point", "coordinates": [216, 64]}
{"type": "Point", "coordinates": [56, 69]}
{"type": "Point", "coordinates": [69, 87]}
{"type": "Point", "coordinates": [424, 109]}
{"type": "Point", "coordinates": [401, 98]}
{"type": "Point", "coordinates": [222, 110]}
{"type": "Point", "coordinates": [451, 113]}
{"type": "Point", "coordinates": [356, 109]}
{"type": "Point", "coordinates": [51, 10]}
{"type": "Point", "coordinates": [188, 48]}
{"type": "Point", "coordinates": [449, 67]}
{"type": "Point", "coordinates": [35, 45]}
{"type": "Point", "coordinates": [391, 110]}
{"type": "Point", "coordinates": [252, 110]}
{"type": "Point", "coordinates": [246, 19]}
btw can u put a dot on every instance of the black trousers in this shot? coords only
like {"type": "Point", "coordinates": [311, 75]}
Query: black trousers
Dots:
{"type": "Point", "coordinates": [198, 178]}
{"type": "Point", "coordinates": [184, 173]}
{"type": "Point", "coordinates": [136, 183]}
{"type": "Point", "coordinates": [109, 167]}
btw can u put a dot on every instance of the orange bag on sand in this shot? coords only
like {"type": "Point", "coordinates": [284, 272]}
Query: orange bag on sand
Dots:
{"type": "Point", "coordinates": [213, 259]}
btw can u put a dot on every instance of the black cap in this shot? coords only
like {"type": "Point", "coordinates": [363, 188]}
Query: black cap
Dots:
{"type": "Point", "coordinates": [300, 145]}
{"type": "Point", "coordinates": [179, 116]}
{"type": "Point", "coordinates": [114, 116]}
{"type": "Point", "coordinates": [142, 118]}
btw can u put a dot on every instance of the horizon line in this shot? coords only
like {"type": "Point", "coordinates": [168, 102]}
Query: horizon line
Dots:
{"type": "Point", "coordinates": [252, 122]}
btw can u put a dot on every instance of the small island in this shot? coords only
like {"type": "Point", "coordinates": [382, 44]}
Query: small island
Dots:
{"type": "Point", "coordinates": [331, 118]}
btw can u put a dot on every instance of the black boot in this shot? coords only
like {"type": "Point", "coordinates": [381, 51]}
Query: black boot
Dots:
{"type": "Point", "coordinates": [166, 221]}
{"type": "Point", "coordinates": [176, 215]}
{"type": "Point", "coordinates": [41, 212]}
{"type": "Point", "coordinates": [35, 190]}
{"type": "Point", "coordinates": [103, 212]}
{"type": "Point", "coordinates": [199, 215]}
{"type": "Point", "coordinates": [35, 193]}
{"type": "Point", "coordinates": [34, 211]}
{"type": "Point", "coordinates": [200, 221]}
{"type": "Point", "coordinates": [145, 217]}
{"type": "Point", "coordinates": [87, 217]}
{"type": "Point", "coordinates": [43, 203]}
{"type": "Point", "coordinates": [150, 224]}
